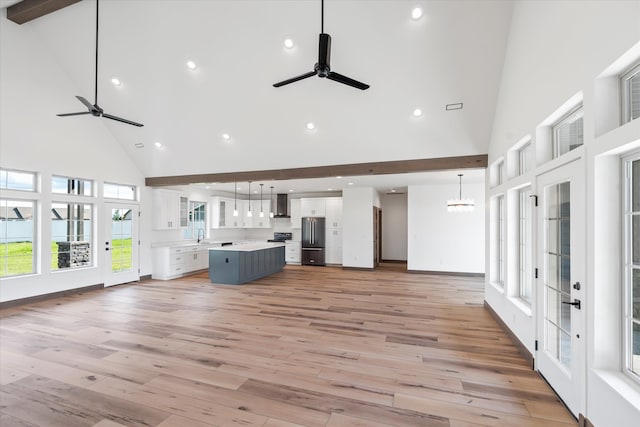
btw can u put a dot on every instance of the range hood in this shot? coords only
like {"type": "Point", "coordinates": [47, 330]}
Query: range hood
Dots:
{"type": "Point", "coordinates": [282, 206]}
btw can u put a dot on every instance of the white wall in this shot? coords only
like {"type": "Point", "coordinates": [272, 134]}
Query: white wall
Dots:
{"type": "Point", "coordinates": [357, 230]}
{"type": "Point", "coordinates": [558, 50]}
{"type": "Point", "coordinates": [34, 88]}
{"type": "Point", "coordinates": [394, 226]}
{"type": "Point", "coordinates": [442, 241]}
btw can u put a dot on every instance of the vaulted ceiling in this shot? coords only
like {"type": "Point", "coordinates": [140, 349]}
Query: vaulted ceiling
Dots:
{"type": "Point", "coordinates": [453, 54]}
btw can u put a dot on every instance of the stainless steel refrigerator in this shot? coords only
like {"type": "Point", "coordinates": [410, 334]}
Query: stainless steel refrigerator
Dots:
{"type": "Point", "coordinates": [313, 241]}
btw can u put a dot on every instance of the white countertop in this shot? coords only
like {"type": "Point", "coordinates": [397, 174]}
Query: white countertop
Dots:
{"type": "Point", "coordinates": [248, 247]}
{"type": "Point", "coordinates": [186, 243]}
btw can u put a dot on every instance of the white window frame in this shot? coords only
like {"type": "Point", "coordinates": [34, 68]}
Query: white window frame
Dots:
{"type": "Point", "coordinates": [524, 158]}
{"type": "Point", "coordinates": [625, 93]}
{"type": "Point", "coordinates": [573, 115]}
{"type": "Point", "coordinates": [4, 183]}
{"type": "Point", "coordinates": [119, 186]}
{"type": "Point", "coordinates": [499, 240]}
{"type": "Point", "coordinates": [73, 180]}
{"type": "Point", "coordinates": [628, 267]}
{"type": "Point", "coordinates": [76, 200]}
{"type": "Point", "coordinates": [191, 232]}
{"type": "Point", "coordinates": [525, 245]}
{"type": "Point", "coordinates": [34, 237]}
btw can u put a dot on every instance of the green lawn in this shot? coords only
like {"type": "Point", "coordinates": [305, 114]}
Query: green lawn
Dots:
{"type": "Point", "coordinates": [17, 258]}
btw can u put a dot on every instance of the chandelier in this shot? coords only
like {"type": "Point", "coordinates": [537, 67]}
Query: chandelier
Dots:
{"type": "Point", "coordinates": [460, 204]}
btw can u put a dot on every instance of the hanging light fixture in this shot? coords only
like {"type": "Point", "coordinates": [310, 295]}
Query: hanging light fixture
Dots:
{"type": "Point", "coordinates": [271, 203]}
{"type": "Point", "coordinates": [249, 214]}
{"type": "Point", "coordinates": [460, 204]}
{"type": "Point", "coordinates": [261, 212]}
{"type": "Point", "coordinates": [235, 198]}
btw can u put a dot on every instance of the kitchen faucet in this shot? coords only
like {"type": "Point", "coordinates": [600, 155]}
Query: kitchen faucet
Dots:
{"type": "Point", "coordinates": [199, 232]}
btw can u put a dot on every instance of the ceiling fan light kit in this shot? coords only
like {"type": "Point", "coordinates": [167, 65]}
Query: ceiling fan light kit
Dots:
{"type": "Point", "coordinates": [322, 68]}
{"type": "Point", "coordinates": [94, 109]}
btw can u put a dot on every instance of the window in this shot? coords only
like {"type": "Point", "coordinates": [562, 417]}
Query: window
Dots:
{"type": "Point", "coordinates": [632, 264]}
{"type": "Point", "coordinates": [525, 159]}
{"type": "Point", "coordinates": [17, 237]}
{"type": "Point", "coordinates": [196, 223]}
{"type": "Point", "coordinates": [118, 191]}
{"type": "Point", "coordinates": [17, 180]}
{"type": "Point", "coordinates": [568, 133]}
{"type": "Point", "coordinates": [630, 94]}
{"type": "Point", "coordinates": [524, 244]}
{"type": "Point", "coordinates": [499, 242]}
{"type": "Point", "coordinates": [75, 186]}
{"type": "Point", "coordinates": [71, 235]}
{"type": "Point", "coordinates": [500, 172]}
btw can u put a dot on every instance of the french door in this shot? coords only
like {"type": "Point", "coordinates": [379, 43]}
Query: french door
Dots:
{"type": "Point", "coordinates": [121, 260]}
{"type": "Point", "coordinates": [560, 286]}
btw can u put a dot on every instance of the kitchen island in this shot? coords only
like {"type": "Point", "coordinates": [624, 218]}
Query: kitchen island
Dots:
{"type": "Point", "coordinates": [238, 264]}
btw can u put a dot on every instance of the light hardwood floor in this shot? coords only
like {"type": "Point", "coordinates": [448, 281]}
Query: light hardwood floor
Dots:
{"type": "Point", "coordinates": [309, 346]}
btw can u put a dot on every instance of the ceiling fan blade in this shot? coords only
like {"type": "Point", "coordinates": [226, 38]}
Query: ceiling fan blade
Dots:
{"type": "Point", "coordinates": [73, 114]}
{"type": "Point", "coordinates": [324, 51]}
{"type": "Point", "coordinates": [295, 79]}
{"type": "Point", "coordinates": [85, 102]}
{"type": "Point", "coordinates": [119, 119]}
{"type": "Point", "coordinates": [347, 81]}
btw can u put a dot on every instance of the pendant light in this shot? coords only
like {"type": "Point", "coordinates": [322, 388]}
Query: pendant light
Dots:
{"type": "Point", "coordinates": [249, 214]}
{"type": "Point", "coordinates": [271, 203]}
{"type": "Point", "coordinates": [235, 198]}
{"type": "Point", "coordinates": [460, 204]}
{"type": "Point", "coordinates": [261, 212]}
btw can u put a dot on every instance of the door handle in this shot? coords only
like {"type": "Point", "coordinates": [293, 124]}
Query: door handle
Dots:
{"type": "Point", "coordinates": [575, 303]}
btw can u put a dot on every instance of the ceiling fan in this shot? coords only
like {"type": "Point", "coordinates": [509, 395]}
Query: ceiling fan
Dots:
{"type": "Point", "coordinates": [322, 67]}
{"type": "Point", "coordinates": [95, 109]}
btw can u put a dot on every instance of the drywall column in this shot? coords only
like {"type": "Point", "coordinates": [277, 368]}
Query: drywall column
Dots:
{"type": "Point", "coordinates": [357, 231]}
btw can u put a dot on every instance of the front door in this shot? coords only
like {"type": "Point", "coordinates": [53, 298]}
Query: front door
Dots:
{"type": "Point", "coordinates": [121, 244]}
{"type": "Point", "coordinates": [560, 284]}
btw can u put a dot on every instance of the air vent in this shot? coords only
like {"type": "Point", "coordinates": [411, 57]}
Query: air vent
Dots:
{"type": "Point", "coordinates": [457, 106]}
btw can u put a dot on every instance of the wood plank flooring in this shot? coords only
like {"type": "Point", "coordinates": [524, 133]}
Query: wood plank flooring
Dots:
{"type": "Point", "coordinates": [308, 346]}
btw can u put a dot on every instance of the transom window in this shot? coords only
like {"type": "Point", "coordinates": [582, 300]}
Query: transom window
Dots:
{"type": "Point", "coordinates": [632, 264]}
{"type": "Point", "coordinates": [17, 227]}
{"type": "Point", "coordinates": [75, 186]}
{"type": "Point", "coordinates": [17, 180]}
{"type": "Point", "coordinates": [119, 191]}
{"type": "Point", "coordinates": [630, 94]}
{"type": "Point", "coordinates": [525, 159]}
{"type": "Point", "coordinates": [568, 133]}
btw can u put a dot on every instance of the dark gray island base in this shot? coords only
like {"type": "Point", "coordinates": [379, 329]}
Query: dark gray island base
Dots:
{"type": "Point", "coordinates": [234, 265]}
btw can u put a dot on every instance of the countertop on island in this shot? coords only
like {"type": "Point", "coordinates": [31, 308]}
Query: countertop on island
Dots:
{"type": "Point", "coordinates": [249, 247]}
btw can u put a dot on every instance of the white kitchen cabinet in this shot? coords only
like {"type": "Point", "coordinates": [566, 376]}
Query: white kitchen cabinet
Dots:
{"type": "Point", "coordinates": [171, 262]}
{"type": "Point", "coordinates": [295, 213]}
{"type": "Point", "coordinates": [292, 252]}
{"type": "Point", "coordinates": [333, 212]}
{"type": "Point", "coordinates": [313, 207]}
{"type": "Point", "coordinates": [333, 246]}
{"type": "Point", "coordinates": [265, 221]}
{"type": "Point", "coordinates": [170, 209]}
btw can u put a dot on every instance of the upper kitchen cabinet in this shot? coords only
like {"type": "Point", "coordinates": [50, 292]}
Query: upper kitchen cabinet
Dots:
{"type": "Point", "coordinates": [222, 213]}
{"type": "Point", "coordinates": [170, 209]}
{"type": "Point", "coordinates": [255, 221]}
{"type": "Point", "coordinates": [313, 207]}
{"type": "Point", "coordinates": [296, 214]}
{"type": "Point", "coordinates": [333, 212]}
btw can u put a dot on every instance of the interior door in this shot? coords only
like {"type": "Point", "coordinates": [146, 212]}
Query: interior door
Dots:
{"type": "Point", "coordinates": [121, 259]}
{"type": "Point", "coordinates": [560, 284]}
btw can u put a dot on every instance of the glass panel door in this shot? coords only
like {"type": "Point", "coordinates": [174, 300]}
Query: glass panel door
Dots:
{"type": "Point", "coordinates": [560, 289]}
{"type": "Point", "coordinates": [121, 244]}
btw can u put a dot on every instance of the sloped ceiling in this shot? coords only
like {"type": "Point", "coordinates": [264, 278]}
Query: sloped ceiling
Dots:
{"type": "Point", "coordinates": [453, 54]}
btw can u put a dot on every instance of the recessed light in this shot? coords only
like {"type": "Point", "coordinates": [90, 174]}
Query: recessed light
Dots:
{"type": "Point", "coordinates": [416, 13]}
{"type": "Point", "coordinates": [191, 65]}
{"type": "Point", "coordinates": [158, 144]}
{"type": "Point", "coordinates": [290, 191]}
{"type": "Point", "coordinates": [351, 183]}
{"type": "Point", "coordinates": [417, 112]}
{"type": "Point", "coordinates": [393, 191]}
{"type": "Point", "coordinates": [329, 189]}
{"type": "Point", "coordinates": [226, 136]}
{"type": "Point", "coordinates": [116, 81]}
{"type": "Point", "coordinates": [289, 43]}
{"type": "Point", "coordinates": [311, 126]}
{"type": "Point", "coordinates": [339, 177]}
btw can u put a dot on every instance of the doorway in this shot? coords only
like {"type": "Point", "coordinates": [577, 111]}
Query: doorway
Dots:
{"type": "Point", "coordinates": [560, 253]}
{"type": "Point", "coordinates": [377, 236]}
{"type": "Point", "coordinates": [121, 259]}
